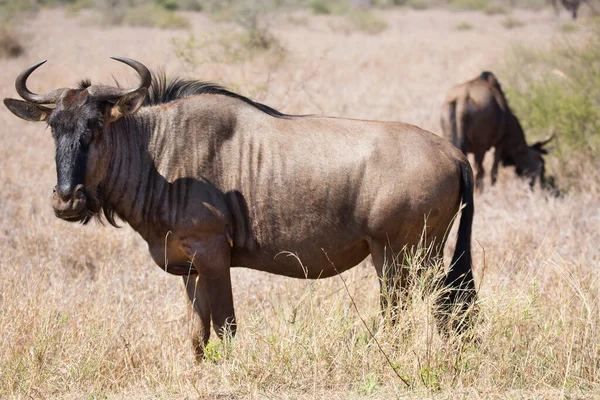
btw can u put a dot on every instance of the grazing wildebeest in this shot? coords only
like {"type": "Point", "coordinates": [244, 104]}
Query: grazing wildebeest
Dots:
{"type": "Point", "coordinates": [212, 180]}
{"type": "Point", "coordinates": [572, 6]}
{"type": "Point", "coordinates": [476, 117]}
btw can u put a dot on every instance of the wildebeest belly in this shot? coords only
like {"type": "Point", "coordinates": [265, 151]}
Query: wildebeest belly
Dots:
{"type": "Point", "coordinates": [319, 260]}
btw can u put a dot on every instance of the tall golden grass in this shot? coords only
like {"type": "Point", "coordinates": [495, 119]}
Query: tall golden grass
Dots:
{"type": "Point", "coordinates": [84, 313]}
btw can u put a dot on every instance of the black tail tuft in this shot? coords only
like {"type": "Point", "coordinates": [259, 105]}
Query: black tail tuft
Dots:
{"type": "Point", "coordinates": [459, 280]}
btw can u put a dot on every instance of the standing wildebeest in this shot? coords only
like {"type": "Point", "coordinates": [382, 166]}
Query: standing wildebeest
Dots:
{"type": "Point", "coordinates": [476, 117]}
{"type": "Point", "coordinates": [212, 180]}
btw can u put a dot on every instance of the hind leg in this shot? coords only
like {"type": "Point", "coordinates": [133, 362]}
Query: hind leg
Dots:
{"type": "Point", "coordinates": [480, 171]}
{"type": "Point", "coordinates": [393, 279]}
{"type": "Point", "coordinates": [495, 166]}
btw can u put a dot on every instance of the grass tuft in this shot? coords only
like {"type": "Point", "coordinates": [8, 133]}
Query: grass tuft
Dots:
{"type": "Point", "coordinates": [367, 21]}
{"type": "Point", "coordinates": [464, 26]}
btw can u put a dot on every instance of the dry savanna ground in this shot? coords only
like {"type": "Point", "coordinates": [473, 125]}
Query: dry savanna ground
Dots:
{"type": "Point", "coordinates": [84, 312]}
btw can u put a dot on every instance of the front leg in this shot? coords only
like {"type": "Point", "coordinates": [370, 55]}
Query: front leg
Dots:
{"type": "Point", "coordinates": [497, 157]}
{"type": "Point", "coordinates": [211, 257]}
{"type": "Point", "coordinates": [220, 298]}
{"type": "Point", "coordinates": [198, 311]}
{"type": "Point", "coordinates": [479, 176]}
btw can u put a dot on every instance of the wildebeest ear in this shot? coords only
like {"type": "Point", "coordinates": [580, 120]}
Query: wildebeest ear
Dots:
{"type": "Point", "coordinates": [128, 104]}
{"type": "Point", "coordinates": [27, 111]}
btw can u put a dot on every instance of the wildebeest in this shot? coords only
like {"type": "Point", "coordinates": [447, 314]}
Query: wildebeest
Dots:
{"type": "Point", "coordinates": [211, 180]}
{"type": "Point", "coordinates": [572, 6]}
{"type": "Point", "coordinates": [476, 117]}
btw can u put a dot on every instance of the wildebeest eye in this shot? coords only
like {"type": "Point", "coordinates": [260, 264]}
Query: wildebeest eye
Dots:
{"type": "Point", "coordinates": [86, 138]}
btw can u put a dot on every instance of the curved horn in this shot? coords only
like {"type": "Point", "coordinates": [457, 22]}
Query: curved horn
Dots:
{"type": "Point", "coordinates": [547, 139]}
{"type": "Point", "coordinates": [21, 86]}
{"type": "Point", "coordinates": [111, 93]}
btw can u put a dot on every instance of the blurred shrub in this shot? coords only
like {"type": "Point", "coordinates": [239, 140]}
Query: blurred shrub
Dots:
{"type": "Point", "coordinates": [254, 18]}
{"type": "Point", "coordinates": [320, 7]}
{"type": "Point", "coordinates": [253, 34]}
{"type": "Point", "coordinates": [469, 5]}
{"type": "Point", "coordinates": [511, 22]}
{"type": "Point", "coordinates": [170, 5]}
{"type": "Point", "coordinates": [257, 35]}
{"type": "Point", "coordinates": [325, 7]}
{"type": "Point", "coordinates": [190, 5]}
{"type": "Point", "coordinates": [11, 13]}
{"type": "Point", "coordinates": [368, 22]}
{"type": "Point", "coordinates": [79, 5]}
{"type": "Point", "coordinates": [464, 26]}
{"type": "Point", "coordinates": [495, 9]}
{"type": "Point", "coordinates": [417, 4]}
{"type": "Point", "coordinates": [13, 9]}
{"type": "Point", "coordinates": [559, 90]}
{"type": "Point", "coordinates": [145, 15]}
{"type": "Point", "coordinates": [568, 27]}
{"type": "Point", "coordinates": [530, 4]}
{"type": "Point", "coordinates": [10, 45]}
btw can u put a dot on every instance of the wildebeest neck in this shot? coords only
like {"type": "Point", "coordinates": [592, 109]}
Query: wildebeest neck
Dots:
{"type": "Point", "coordinates": [513, 143]}
{"type": "Point", "coordinates": [146, 184]}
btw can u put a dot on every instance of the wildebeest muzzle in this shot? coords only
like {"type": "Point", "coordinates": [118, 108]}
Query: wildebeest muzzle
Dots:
{"type": "Point", "coordinates": [69, 204]}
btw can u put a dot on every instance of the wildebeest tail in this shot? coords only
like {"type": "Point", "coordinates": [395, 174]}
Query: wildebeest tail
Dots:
{"type": "Point", "coordinates": [459, 280]}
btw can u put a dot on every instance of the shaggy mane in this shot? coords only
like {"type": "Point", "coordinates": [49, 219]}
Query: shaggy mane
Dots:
{"type": "Point", "coordinates": [164, 90]}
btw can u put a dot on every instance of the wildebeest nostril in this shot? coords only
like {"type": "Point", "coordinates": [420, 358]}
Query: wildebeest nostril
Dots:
{"type": "Point", "coordinates": [61, 193]}
{"type": "Point", "coordinates": [78, 193]}
{"type": "Point", "coordinates": [67, 194]}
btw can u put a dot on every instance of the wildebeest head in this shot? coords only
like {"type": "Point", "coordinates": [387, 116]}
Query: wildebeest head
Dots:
{"type": "Point", "coordinates": [528, 160]}
{"type": "Point", "coordinates": [77, 122]}
{"type": "Point", "coordinates": [536, 153]}
{"type": "Point", "coordinates": [533, 165]}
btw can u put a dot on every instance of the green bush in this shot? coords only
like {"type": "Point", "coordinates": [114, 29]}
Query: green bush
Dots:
{"type": "Point", "coordinates": [13, 9]}
{"type": "Point", "coordinates": [146, 15]}
{"type": "Point", "coordinates": [417, 4]}
{"type": "Point", "coordinates": [568, 27]}
{"type": "Point", "coordinates": [511, 22]}
{"type": "Point", "coordinates": [253, 35]}
{"type": "Point", "coordinates": [464, 26]}
{"type": "Point", "coordinates": [170, 5]}
{"type": "Point", "coordinates": [368, 22]}
{"type": "Point", "coordinates": [152, 16]}
{"type": "Point", "coordinates": [190, 5]}
{"type": "Point", "coordinates": [494, 9]}
{"type": "Point", "coordinates": [325, 7]}
{"type": "Point", "coordinates": [76, 6]}
{"type": "Point", "coordinates": [320, 7]}
{"type": "Point", "coordinates": [534, 5]}
{"type": "Point", "coordinates": [559, 90]}
{"type": "Point", "coordinates": [469, 5]}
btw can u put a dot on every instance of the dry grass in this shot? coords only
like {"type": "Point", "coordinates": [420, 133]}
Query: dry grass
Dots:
{"type": "Point", "coordinates": [84, 313]}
